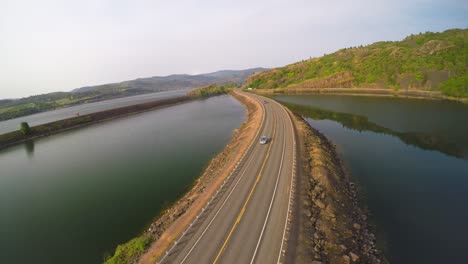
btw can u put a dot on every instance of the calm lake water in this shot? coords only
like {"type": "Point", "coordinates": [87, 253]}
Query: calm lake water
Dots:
{"type": "Point", "coordinates": [409, 157]}
{"type": "Point", "coordinates": [71, 197]}
{"type": "Point", "coordinates": [83, 109]}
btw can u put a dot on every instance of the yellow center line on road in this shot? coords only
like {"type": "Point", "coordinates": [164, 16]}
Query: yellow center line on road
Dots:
{"type": "Point", "coordinates": [241, 214]}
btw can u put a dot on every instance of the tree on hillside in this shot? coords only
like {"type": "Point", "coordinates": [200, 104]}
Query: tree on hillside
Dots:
{"type": "Point", "coordinates": [24, 128]}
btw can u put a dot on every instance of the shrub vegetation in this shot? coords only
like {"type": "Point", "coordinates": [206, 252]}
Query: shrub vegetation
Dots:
{"type": "Point", "coordinates": [130, 251]}
{"type": "Point", "coordinates": [24, 128]}
{"type": "Point", "coordinates": [211, 90]}
{"type": "Point", "coordinates": [432, 61]}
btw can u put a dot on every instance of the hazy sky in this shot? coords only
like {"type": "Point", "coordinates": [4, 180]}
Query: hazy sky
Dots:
{"type": "Point", "coordinates": [52, 45]}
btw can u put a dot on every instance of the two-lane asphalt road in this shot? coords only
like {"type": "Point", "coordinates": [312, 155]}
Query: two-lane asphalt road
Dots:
{"type": "Point", "coordinates": [246, 221]}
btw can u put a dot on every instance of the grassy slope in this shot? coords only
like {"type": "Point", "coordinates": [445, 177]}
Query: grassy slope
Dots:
{"type": "Point", "coordinates": [431, 61]}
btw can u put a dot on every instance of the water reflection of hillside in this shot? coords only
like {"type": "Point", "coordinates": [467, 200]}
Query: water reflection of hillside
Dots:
{"type": "Point", "coordinates": [357, 122]}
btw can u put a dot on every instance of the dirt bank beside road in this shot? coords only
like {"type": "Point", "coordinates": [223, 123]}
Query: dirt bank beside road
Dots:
{"type": "Point", "coordinates": [172, 223]}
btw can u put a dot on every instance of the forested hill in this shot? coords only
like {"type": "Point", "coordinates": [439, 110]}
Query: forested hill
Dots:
{"type": "Point", "coordinates": [427, 61]}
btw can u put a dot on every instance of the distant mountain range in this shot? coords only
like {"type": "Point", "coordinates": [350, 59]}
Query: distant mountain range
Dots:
{"type": "Point", "coordinates": [12, 108]}
{"type": "Point", "coordinates": [177, 81]}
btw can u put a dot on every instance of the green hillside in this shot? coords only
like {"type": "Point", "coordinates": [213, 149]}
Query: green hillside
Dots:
{"type": "Point", "coordinates": [428, 61]}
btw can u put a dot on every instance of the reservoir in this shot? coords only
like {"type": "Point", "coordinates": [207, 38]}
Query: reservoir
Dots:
{"type": "Point", "coordinates": [410, 159]}
{"type": "Point", "coordinates": [72, 197]}
{"type": "Point", "coordinates": [88, 108]}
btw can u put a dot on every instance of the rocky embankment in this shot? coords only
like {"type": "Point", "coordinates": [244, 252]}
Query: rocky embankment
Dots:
{"type": "Point", "coordinates": [170, 225]}
{"type": "Point", "coordinates": [333, 226]}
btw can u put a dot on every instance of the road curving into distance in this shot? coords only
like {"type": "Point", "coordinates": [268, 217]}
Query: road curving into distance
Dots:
{"type": "Point", "coordinates": [247, 220]}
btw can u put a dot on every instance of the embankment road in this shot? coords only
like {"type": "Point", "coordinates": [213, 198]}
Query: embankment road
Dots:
{"type": "Point", "coordinates": [247, 220]}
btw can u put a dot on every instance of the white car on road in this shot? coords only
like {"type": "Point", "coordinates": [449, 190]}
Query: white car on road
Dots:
{"type": "Point", "coordinates": [264, 140]}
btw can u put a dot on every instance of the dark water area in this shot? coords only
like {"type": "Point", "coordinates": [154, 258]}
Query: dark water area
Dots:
{"type": "Point", "coordinates": [409, 158]}
{"type": "Point", "coordinates": [72, 197]}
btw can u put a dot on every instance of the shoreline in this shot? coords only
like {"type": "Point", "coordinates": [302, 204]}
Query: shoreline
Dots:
{"type": "Point", "coordinates": [218, 169]}
{"type": "Point", "coordinates": [170, 223]}
{"type": "Point", "coordinates": [321, 229]}
{"type": "Point", "coordinates": [332, 222]}
{"type": "Point", "coordinates": [13, 138]}
{"type": "Point", "coordinates": [329, 224]}
{"type": "Point", "coordinates": [411, 93]}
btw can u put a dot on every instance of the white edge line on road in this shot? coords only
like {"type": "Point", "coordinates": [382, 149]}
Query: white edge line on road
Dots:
{"type": "Point", "coordinates": [217, 212]}
{"type": "Point", "coordinates": [272, 198]}
{"type": "Point", "coordinates": [248, 149]}
{"type": "Point", "coordinates": [292, 180]}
